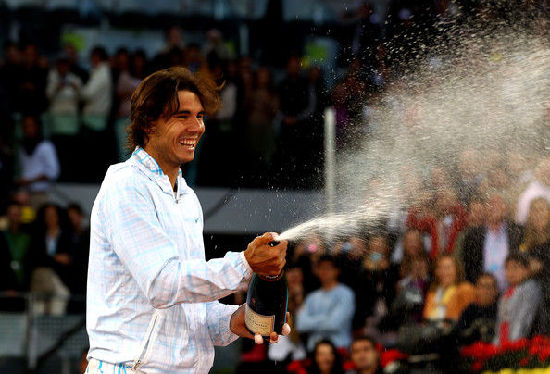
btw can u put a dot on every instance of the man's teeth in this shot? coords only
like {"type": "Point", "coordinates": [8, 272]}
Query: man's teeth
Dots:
{"type": "Point", "coordinates": [188, 143]}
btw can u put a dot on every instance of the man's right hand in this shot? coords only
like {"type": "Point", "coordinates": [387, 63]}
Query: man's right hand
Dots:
{"type": "Point", "coordinates": [264, 259]}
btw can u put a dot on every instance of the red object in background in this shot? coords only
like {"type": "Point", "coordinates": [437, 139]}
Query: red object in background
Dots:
{"type": "Point", "coordinates": [390, 356]}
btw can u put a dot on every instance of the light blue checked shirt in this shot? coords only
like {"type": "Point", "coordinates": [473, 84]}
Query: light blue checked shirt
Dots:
{"type": "Point", "coordinates": [152, 296]}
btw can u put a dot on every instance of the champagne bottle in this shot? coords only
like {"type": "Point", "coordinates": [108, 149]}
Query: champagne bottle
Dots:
{"type": "Point", "coordinates": [266, 304]}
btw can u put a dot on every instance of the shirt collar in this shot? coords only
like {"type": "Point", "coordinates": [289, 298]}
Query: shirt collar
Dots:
{"type": "Point", "coordinates": [155, 172]}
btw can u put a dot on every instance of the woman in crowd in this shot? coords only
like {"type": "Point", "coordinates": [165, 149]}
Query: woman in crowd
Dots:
{"type": "Point", "coordinates": [537, 228]}
{"type": "Point", "coordinates": [326, 359]}
{"type": "Point", "coordinates": [449, 294]}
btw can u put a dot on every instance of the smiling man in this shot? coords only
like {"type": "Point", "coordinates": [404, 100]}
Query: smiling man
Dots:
{"type": "Point", "coordinates": [152, 297]}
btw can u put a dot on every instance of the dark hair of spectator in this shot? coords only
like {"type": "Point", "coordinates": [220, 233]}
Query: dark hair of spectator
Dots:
{"type": "Point", "coordinates": [365, 338]}
{"type": "Point", "coordinates": [157, 96]}
{"type": "Point", "coordinates": [518, 258]}
{"type": "Point", "coordinates": [336, 365]}
{"type": "Point", "coordinates": [10, 203]}
{"type": "Point", "coordinates": [100, 52]}
{"type": "Point", "coordinates": [40, 221]}
{"type": "Point", "coordinates": [328, 258]}
{"type": "Point", "coordinates": [486, 274]}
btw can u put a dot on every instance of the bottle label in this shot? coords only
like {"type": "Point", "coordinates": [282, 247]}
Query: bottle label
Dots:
{"type": "Point", "coordinates": [257, 323]}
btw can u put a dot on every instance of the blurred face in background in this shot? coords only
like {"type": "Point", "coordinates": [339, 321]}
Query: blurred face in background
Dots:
{"type": "Point", "coordinates": [325, 357]}
{"type": "Point", "coordinates": [412, 243]}
{"type": "Point", "coordinates": [445, 272]}
{"type": "Point", "coordinates": [476, 214]}
{"type": "Point", "coordinates": [13, 214]}
{"type": "Point", "coordinates": [30, 127]}
{"type": "Point", "coordinates": [377, 252]}
{"type": "Point", "coordinates": [327, 273]}
{"type": "Point", "coordinates": [497, 210]}
{"type": "Point", "coordinates": [364, 355]}
{"type": "Point", "coordinates": [486, 291]}
{"type": "Point", "coordinates": [539, 215]}
{"type": "Point", "coordinates": [51, 218]}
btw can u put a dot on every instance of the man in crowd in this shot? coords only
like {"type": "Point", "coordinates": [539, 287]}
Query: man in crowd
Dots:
{"type": "Point", "coordinates": [365, 356]}
{"type": "Point", "coordinates": [328, 312]}
{"type": "Point", "coordinates": [152, 301]}
{"type": "Point", "coordinates": [486, 248]}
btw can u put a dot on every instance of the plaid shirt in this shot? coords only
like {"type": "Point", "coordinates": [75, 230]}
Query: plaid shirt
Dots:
{"type": "Point", "coordinates": [152, 296]}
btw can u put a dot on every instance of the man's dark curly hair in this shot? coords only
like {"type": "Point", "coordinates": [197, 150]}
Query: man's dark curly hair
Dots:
{"type": "Point", "coordinates": [157, 96]}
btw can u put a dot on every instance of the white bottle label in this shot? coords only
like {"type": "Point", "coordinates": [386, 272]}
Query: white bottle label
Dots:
{"type": "Point", "coordinates": [257, 323]}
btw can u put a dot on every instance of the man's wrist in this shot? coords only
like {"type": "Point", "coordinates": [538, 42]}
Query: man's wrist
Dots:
{"type": "Point", "coordinates": [248, 269]}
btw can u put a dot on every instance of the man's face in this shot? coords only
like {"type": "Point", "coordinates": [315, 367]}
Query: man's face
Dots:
{"type": "Point", "coordinates": [327, 272]}
{"type": "Point", "coordinates": [173, 139]}
{"type": "Point", "coordinates": [364, 355]}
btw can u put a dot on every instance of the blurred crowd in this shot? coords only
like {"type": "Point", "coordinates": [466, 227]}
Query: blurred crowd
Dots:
{"type": "Point", "coordinates": [466, 261]}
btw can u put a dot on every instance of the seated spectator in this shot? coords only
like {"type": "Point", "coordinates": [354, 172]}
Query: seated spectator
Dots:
{"type": "Point", "coordinates": [374, 286]}
{"type": "Point", "coordinates": [539, 263]}
{"type": "Point", "coordinates": [449, 294]}
{"type": "Point", "coordinates": [63, 92]}
{"type": "Point", "coordinates": [475, 219]}
{"type": "Point", "coordinates": [537, 228]}
{"type": "Point", "coordinates": [37, 161]}
{"type": "Point", "coordinates": [97, 93]}
{"type": "Point", "coordinates": [15, 258]}
{"type": "Point", "coordinates": [327, 313]}
{"type": "Point", "coordinates": [326, 359]}
{"type": "Point", "coordinates": [365, 356]}
{"type": "Point", "coordinates": [518, 306]}
{"type": "Point", "coordinates": [411, 289]}
{"type": "Point", "coordinates": [79, 248]}
{"type": "Point", "coordinates": [477, 321]}
{"type": "Point", "coordinates": [486, 248]}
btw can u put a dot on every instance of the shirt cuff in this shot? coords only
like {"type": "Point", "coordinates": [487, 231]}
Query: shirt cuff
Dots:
{"type": "Point", "coordinates": [248, 272]}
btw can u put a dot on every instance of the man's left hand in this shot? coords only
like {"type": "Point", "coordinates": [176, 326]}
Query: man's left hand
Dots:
{"type": "Point", "coordinates": [238, 327]}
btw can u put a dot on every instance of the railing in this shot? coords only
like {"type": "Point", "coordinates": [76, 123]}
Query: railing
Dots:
{"type": "Point", "coordinates": [31, 338]}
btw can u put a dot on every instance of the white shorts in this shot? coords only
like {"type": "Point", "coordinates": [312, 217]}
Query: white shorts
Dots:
{"type": "Point", "coordinates": [102, 367]}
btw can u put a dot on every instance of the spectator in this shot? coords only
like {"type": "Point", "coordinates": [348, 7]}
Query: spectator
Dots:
{"type": "Point", "coordinates": [477, 321]}
{"type": "Point", "coordinates": [446, 223]}
{"type": "Point", "coordinates": [10, 74]}
{"type": "Point", "coordinates": [540, 187]}
{"type": "Point", "coordinates": [518, 306]}
{"type": "Point", "coordinates": [74, 65]}
{"type": "Point", "coordinates": [261, 108]}
{"type": "Point", "coordinates": [469, 175]}
{"type": "Point", "coordinates": [375, 289]}
{"type": "Point", "coordinates": [63, 92]}
{"type": "Point", "coordinates": [52, 259]}
{"type": "Point", "coordinates": [539, 263]}
{"type": "Point", "coordinates": [327, 312]}
{"type": "Point", "coordinates": [365, 356]}
{"type": "Point", "coordinates": [326, 359]}
{"type": "Point", "coordinates": [486, 248]}
{"type": "Point", "coordinates": [79, 248]}
{"type": "Point", "coordinates": [7, 172]}
{"type": "Point", "coordinates": [449, 294]}
{"type": "Point", "coordinates": [15, 258]}
{"type": "Point", "coordinates": [31, 92]}
{"type": "Point", "coordinates": [97, 94]}
{"type": "Point", "coordinates": [537, 228]}
{"type": "Point", "coordinates": [294, 110]}
{"type": "Point", "coordinates": [38, 163]}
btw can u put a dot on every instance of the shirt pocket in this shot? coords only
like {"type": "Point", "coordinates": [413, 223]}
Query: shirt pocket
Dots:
{"type": "Point", "coordinates": [151, 334]}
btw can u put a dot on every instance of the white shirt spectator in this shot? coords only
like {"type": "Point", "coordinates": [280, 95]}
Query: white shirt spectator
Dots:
{"type": "Point", "coordinates": [64, 100]}
{"type": "Point", "coordinates": [97, 92]}
{"type": "Point", "coordinates": [42, 161]}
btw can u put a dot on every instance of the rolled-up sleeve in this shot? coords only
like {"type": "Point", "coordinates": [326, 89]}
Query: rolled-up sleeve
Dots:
{"type": "Point", "coordinates": [152, 257]}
